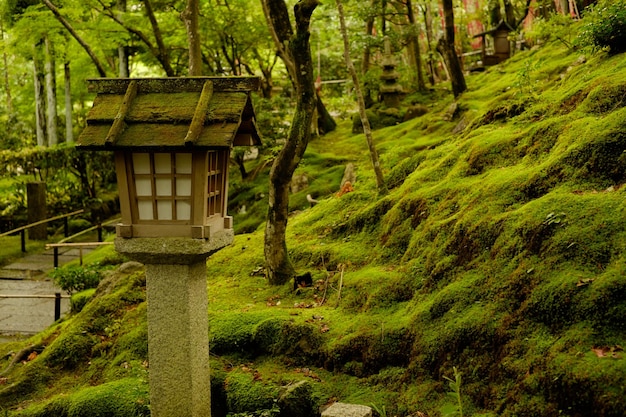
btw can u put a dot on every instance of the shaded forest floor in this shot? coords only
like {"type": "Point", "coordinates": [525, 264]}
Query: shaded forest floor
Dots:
{"type": "Point", "coordinates": [499, 252]}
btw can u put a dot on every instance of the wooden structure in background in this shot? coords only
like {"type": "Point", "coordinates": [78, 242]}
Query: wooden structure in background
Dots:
{"type": "Point", "coordinates": [501, 44]}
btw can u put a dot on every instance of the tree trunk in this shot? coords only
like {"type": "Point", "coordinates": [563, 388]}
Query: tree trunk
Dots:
{"type": "Point", "coordinates": [495, 12]}
{"type": "Point", "coordinates": [40, 104]}
{"type": "Point", "coordinates": [380, 180]}
{"type": "Point", "coordinates": [414, 46]}
{"type": "Point", "coordinates": [509, 12]}
{"type": "Point", "coordinates": [69, 125]}
{"type": "Point", "coordinates": [428, 21]}
{"type": "Point", "coordinates": [190, 17]}
{"type": "Point", "coordinates": [325, 122]}
{"type": "Point", "coordinates": [122, 50]}
{"type": "Point", "coordinates": [447, 49]}
{"type": "Point", "coordinates": [367, 57]}
{"type": "Point", "coordinates": [276, 14]}
{"type": "Point", "coordinates": [7, 85]}
{"type": "Point", "coordinates": [297, 49]}
{"type": "Point", "coordinates": [80, 40]}
{"type": "Point", "coordinates": [51, 94]}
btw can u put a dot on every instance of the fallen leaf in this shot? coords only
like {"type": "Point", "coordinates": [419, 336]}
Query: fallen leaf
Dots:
{"type": "Point", "coordinates": [608, 351]}
{"type": "Point", "coordinates": [32, 356]}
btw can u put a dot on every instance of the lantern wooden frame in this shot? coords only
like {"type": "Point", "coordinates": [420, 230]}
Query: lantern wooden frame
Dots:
{"type": "Point", "coordinates": [172, 139]}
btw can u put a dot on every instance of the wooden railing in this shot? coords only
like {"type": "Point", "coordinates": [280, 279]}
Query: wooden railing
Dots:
{"type": "Point", "coordinates": [57, 300]}
{"type": "Point", "coordinates": [22, 230]}
{"type": "Point", "coordinates": [63, 243]}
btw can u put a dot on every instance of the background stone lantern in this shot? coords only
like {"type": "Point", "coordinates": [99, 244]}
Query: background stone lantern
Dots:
{"type": "Point", "coordinates": [172, 139]}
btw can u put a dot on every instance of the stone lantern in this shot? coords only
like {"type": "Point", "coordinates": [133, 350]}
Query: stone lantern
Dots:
{"type": "Point", "coordinates": [172, 139]}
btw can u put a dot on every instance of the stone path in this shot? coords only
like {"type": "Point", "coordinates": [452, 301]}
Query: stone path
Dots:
{"type": "Point", "coordinates": [28, 276]}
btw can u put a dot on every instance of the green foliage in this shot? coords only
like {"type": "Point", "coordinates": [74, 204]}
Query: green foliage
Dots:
{"type": "Point", "coordinates": [75, 278]}
{"type": "Point", "coordinates": [605, 26]}
{"type": "Point", "coordinates": [456, 408]}
{"type": "Point", "coordinates": [558, 27]}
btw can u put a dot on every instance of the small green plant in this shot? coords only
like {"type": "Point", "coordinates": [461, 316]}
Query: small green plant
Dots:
{"type": "Point", "coordinates": [605, 26]}
{"type": "Point", "coordinates": [554, 219]}
{"type": "Point", "coordinates": [523, 77]}
{"type": "Point", "coordinates": [77, 278]}
{"type": "Point", "coordinates": [455, 408]}
{"type": "Point", "coordinates": [382, 412]}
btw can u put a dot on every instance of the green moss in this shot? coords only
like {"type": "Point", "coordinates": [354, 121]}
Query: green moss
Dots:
{"type": "Point", "coordinates": [244, 393]}
{"type": "Point", "coordinates": [78, 300]}
{"type": "Point", "coordinates": [123, 398]}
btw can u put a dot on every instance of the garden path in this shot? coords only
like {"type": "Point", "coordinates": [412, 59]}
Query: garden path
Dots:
{"type": "Point", "coordinates": [28, 276]}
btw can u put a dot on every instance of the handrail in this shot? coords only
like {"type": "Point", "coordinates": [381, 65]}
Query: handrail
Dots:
{"type": "Point", "coordinates": [92, 228]}
{"type": "Point", "coordinates": [76, 244]}
{"type": "Point", "coordinates": [51, 219]}
{"type": "Point", "coordinates": [57, 300]}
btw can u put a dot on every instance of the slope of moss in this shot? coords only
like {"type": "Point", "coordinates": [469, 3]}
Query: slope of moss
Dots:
{"type": "Point", "coordinates": [500, 251]}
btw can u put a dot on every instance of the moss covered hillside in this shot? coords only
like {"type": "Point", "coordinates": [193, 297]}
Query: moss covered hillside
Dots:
{"type": "Point", "coordinates": [498, 256]}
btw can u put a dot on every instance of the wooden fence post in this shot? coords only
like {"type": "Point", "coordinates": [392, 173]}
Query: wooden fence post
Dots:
{"type": "Point", "coordinates": [37, 209]}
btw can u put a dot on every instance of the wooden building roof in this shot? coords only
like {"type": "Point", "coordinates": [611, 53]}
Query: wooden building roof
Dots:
{"type": "Point", "coordinates": [156, 113]}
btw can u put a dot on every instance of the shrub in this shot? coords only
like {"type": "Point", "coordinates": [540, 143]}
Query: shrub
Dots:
{"type": "Point", "coordinates": [77, 278]}
{"type": "Point", "coordinates": [605, 26]}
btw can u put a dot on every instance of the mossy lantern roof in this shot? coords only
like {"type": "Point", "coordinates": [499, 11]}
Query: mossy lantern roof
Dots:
{"type": "Point", "coordinates": [159, 114]}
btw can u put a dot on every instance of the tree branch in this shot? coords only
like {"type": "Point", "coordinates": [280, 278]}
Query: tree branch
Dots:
{"type": "Point", "coordinates": [70, 29]}
{"type": "Point", "coordinates": [163, 56]}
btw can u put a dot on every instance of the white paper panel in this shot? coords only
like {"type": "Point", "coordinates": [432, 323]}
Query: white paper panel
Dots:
{"type": "Point", "coordinates": [163, 186]}
{"type": "Point", "coordinates": [145, 210]}
{"type": "Point", "coordinates": [164, 209]}
{"type": "Point", "coordinates": [183, 187]}
{"type": "Point", "coordinates": [162, 163]}
{"type": "Point", "coordinates": [183, 163]}
{"type": "Point", "coordinates": [141, 163]}
{"type": "Point", "coordinates": [143, 187]}
{"type": "Point", "coordinates": [183, 210]}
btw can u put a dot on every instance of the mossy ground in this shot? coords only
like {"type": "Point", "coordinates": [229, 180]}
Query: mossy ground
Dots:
{"type": "Point", "coordinates": [500, 250]}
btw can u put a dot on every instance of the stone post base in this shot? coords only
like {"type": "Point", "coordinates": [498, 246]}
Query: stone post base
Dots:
{"type": "Point", "coordinates": [178, 327]}
{"type": "Point", "coordinates": [178, 340]}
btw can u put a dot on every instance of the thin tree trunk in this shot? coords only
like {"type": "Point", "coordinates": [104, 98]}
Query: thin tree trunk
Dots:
{"type": "Point", "coordinates": [509, 12]}
{"type": "Point", "coordinates": [367, 57]}
{"type": "Point", "coordinates": [7, 85]}
{"type": "Point", "coordinates": [428, 21]}
{"type": "Point", "coordinates": [122, 50]}
{"type": "Point", "coordinates": [297, 48]}
{"type": "Point", "coordinates": [380, 180]}
{"type": "Point", "coordinates": [80, 40]}
{"type": "Point", "coordinates": [163, 55]}
{"type": "Point", "coordinates": [415, 46]}
{"type": "Point", "coordinates": [190, 18]}
{"type": "Point", "coordinates": [69, 125]}
{"type": "Point", "coordinates": [51, 94]}
{"type": "Point", "coordinates": [40, 104]}
{"type": "Point", "coordinates": [369, 31]}
{"type": "Point", "coordinates": [446, 47]}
